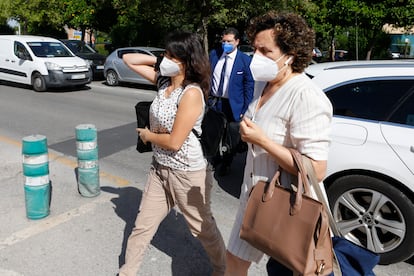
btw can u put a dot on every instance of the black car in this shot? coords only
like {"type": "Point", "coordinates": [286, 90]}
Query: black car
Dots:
{"type": "Point", "coordinates": [83, 50]}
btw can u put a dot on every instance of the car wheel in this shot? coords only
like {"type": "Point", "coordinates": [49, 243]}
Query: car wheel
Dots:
{"type": "Point", "coordinates": [374, 214]}
{"type": "Point", "coordinates": [112, 78]}
{"type": "Point", "coordinates": [38, 82]}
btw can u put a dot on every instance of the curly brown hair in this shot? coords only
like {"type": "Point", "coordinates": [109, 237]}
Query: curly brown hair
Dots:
{"type": "Point", "coordinates": [292, 35]}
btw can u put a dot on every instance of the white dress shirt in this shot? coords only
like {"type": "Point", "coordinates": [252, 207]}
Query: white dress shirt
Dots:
{"type": "Point", "coordinates": [217, 72]}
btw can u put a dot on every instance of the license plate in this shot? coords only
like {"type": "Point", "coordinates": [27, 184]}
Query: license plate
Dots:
{"type": "Point", "coordinates": [100, 67]}
{"type": "Point", "coordinates": [78, 77]}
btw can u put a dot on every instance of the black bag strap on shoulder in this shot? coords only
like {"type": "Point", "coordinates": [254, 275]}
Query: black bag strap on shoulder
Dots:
{"type": "Point", "coordinates": [196, 133]}
{"type": "Point", "coordinates": [162, 80]}
{"type": "Point", "coordinates": [178, 100]}
{"type": "Point", "coordinates": [209, 104]}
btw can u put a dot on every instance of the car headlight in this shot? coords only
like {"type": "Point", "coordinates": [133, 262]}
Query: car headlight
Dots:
{"type": "Point", "coordinates": [88, 63]}
{"type": "Point", "coordinates": [53, 66]}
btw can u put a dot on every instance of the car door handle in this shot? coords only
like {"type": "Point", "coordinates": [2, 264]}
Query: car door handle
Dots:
{"type": "Point", "coordinates": [412, 148]}
{"type": "Point", "coordinates": [7, 59]}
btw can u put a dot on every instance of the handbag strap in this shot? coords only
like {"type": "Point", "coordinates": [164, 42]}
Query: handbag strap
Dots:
{"type": "Point", "coordinates": [320, 195]}
{"type": "Point", "coordinates": [302, 171]}
{"type": "Point", "coordinates": [306, 172]}
{"type": "Point", "coordinates": [322, 198]}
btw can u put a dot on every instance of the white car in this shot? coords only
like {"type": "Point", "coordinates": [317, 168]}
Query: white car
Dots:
{"type": "Point", "coordinates": [370, 176]}
{"type": "Point", "coordinates": [41, 62]}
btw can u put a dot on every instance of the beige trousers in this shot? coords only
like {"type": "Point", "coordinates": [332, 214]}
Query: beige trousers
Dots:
{"type": "Point", "coordinates": [190, 191]}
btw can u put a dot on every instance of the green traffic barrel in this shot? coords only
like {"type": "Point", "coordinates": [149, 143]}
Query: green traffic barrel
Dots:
{"type": "Point", "coordinates": [36, 173]}
{"type": "Point", "coordinates": [88, 166]}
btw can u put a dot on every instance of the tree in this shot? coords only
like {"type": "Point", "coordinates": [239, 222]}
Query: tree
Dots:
{"type": "Point", "coordinates": [365, 16]}
{"type": "Point", "coordinates": [199, 16]}
{"type": "Point", "coordinates": [341, 22]}
{"type": "Point", "coordinates": [47, 14]}
{"type": "Point", "coordinates": [80, 14]}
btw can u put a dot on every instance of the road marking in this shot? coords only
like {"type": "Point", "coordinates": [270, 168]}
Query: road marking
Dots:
{"type": "Point", "coordinates": [5, 272]}
{"type": "Point", "coordinates": [51, 222]}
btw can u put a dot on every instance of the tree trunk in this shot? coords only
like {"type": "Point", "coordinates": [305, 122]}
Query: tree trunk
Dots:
{"type": "Point", "coordinates": [369, 52]}
{"type": "Point", "coordinates": [83, 29]}
{"type": "Point", "coordinates": [204, 25]}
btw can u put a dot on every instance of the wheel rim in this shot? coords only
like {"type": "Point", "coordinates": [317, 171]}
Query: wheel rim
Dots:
{"type": "Point", "coordinates": [370, 219]}
{"type": "Point", "coordinates": [37, 82]}
{"type": "Point", "coordinates": [111, 78]}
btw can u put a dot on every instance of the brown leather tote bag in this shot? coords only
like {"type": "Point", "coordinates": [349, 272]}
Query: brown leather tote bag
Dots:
{"type": "Point", "coordinates": [289, 225]}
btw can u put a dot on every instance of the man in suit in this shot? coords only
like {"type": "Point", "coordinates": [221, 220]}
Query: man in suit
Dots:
{"type": "Point", "coordinates": [232, 84]}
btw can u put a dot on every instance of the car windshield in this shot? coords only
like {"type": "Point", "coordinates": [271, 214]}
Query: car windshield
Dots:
{"type": "Point", "coordinates": [80, 47]}
{"type": "Point", "coordinates": [49, 49]}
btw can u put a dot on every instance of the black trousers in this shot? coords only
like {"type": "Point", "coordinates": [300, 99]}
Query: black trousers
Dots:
{"type": "Point", "coordinates": [227, 157]}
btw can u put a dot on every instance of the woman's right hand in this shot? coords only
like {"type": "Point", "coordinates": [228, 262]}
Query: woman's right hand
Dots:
{"type": "Point", "coordinates": [251, 132]}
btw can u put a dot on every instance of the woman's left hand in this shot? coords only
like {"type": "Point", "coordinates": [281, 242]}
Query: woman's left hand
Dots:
{"type": "Point", "coordinates": [143, 134]}
{"type": "Point", "coordinates": [250, 132]}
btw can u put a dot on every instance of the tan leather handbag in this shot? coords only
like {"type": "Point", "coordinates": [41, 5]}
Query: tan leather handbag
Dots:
{"type": "Point", "coordinates": [289, 225]}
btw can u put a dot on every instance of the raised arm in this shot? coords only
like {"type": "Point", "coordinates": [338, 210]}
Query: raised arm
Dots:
{"type": "Point", "coordinates": [142, 64]}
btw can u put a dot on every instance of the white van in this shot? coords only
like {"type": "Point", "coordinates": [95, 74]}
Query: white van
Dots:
{"type": "Point", "coordinates": [42, 62]}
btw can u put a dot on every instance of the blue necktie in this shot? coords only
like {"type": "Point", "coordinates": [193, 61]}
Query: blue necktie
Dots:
{"type": "Point", "coordinates": [220, 89]}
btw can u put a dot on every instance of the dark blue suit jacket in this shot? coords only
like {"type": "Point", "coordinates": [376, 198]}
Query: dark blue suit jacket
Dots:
{"type": "Point", "coordinates": [241, 83]}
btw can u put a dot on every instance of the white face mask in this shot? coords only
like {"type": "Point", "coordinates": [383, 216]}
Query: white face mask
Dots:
{"type": "Point", "coordinates": [264, 68]}
{"type": "Point", "coordinates": [169, 68]}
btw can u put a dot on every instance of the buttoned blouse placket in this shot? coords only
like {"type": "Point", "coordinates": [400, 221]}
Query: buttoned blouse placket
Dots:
{"type": "Point", "coordinates": [253, 119]}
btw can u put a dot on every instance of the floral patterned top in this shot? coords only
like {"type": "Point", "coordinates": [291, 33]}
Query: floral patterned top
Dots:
{"type": "Point", "coordinates": [162, 115]}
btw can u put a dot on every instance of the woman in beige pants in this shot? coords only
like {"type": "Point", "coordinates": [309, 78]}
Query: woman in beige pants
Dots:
{"type": "Point", "coordinates": [178, 171]}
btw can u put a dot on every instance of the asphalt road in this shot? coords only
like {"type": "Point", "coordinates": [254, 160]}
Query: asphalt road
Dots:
{"type": "Point", "coordinates": [87, 236]}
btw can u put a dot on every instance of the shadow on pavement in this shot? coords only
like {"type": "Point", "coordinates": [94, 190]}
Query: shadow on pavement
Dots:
{"type": "Point", "coordinates": [110, 141]}
{"type": "Point", "coordinates": [410, 260]}
{"type": "Point", "coordinates": [172, 237]}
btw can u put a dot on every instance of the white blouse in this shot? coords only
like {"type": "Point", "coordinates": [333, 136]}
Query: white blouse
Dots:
{"type": "Point", "coordinates": [298, 116]}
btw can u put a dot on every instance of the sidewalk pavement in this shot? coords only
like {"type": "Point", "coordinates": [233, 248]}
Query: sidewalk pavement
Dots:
{"type": "Point", "coordinates": [72, 239]}
{"type": "Point", "coordinates": [87, 236]}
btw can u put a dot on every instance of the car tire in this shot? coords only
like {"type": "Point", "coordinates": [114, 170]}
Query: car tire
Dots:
{"type": "Point", "coordinates": [112, 78]}
{"type": "Point", "coordinates": [374, 214]}
{"type": "Point", "coordinates": [38, 82]}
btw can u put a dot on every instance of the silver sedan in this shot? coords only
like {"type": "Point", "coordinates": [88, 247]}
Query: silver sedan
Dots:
{"type": "Point", "coordinates": [115, 70]}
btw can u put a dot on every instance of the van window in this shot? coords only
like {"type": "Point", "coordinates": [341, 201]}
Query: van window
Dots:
{"type": "Point", "coordinates": [49, 49]}
{"type": "Point", "coordinates": [21, 52]}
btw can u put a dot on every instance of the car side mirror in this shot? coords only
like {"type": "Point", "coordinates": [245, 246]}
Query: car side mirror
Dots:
{"type": "Point", "coordinates": [23, 55]}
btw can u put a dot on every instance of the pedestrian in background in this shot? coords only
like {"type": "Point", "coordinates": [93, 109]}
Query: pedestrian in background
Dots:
{"type": "Point", "coordinates": [287, 111]}
{"type": "Point", "coordinates": [232, 85]}
{"type": "Point", "coordinates": [177, 175]}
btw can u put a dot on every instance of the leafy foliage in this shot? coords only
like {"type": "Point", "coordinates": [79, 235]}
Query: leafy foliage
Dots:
{"type": "Point", "coordinates": [350, 24]}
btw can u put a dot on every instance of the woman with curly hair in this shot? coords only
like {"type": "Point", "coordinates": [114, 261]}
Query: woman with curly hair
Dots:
{"type": "Point", "coordinates": [287, 111]}
{"type": "Point", "coordinates": [177, 175]}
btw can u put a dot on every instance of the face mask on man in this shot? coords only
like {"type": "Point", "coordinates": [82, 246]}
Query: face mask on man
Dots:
{"type": "Point", "coordinates": [169, 68]}
{"type": "Point", "coordinates": [264, 68]}
{"type": "Point", "coordinates": [227, 47]}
